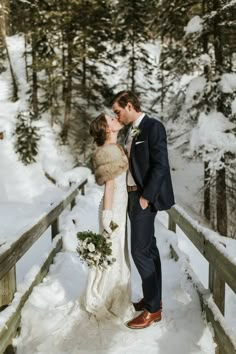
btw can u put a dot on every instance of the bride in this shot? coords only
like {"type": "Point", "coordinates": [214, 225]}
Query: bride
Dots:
{"type": "Point", "coordinates": [108, 291]}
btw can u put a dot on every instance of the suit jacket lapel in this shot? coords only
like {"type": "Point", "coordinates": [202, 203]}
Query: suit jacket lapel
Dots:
{"type": "Point", "coordinates": [143, 122]}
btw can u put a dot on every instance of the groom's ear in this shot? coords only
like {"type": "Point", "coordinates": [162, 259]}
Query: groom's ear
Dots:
{"type": "Point", "coordinates": [129, 106]}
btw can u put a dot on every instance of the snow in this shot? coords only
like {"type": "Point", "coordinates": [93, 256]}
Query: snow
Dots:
{"type": "Point", "coordinates": [26, 194]}
{"type": "Point", "coordinates": [205, 60]}
{"type": "Point", "coordinates": [212, 137]}
{"type": "Point", "coordinates": [196, 85]}
{"type": "Point", "coordinates": [228, 82]}
{"type": "Point", "coordinates": [233, 106]}
{"type": "Point", "coordinates": [194, 25]}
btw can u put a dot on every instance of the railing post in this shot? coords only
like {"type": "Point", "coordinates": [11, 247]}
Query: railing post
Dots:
{"type": "Point", "coordinates": [172, 227]}
{"type": "Point", "coordinates": [217, 287]}
{"type": "Point", "coordinates": [55, 228]}
{"type": "Point", "coordinates": [171, 224]}
{"type": "Point", "coordinates": [7, 288]}
{"type": "Point", "coordinates": [83, 189]}
{"type": "Point", "coordinates": [72, 204]}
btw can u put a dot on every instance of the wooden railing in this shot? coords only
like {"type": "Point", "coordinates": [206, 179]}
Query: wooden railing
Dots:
{"type": "Point", "coordinates": [222, 269]}
{"type": "Point", "coordinates": [9, 306]}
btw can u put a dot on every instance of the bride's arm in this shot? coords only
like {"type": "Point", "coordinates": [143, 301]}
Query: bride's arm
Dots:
{"type": "Point", "coordinates": [107, 205]}
{"type": "Point", "coordinates": [108, 194]}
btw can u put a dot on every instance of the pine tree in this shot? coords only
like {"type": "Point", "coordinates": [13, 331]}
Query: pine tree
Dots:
{"type": "Point", "coordinates": [132, 21]}
{"type": "Point", "coordinates": [27, 137]}
{"type": "Point", "coordinates": [90, 26]}
{"type": "Point", "coordinates": [205, 54]}
{"type": "Point", "coordinates": [168, 24]}
{"type": "Point", "coordinates": [4, 10]}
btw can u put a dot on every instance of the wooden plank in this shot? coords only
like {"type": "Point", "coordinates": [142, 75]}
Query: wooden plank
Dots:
{"type": "Point", "coordinates": [194, 235]}
{"type": "Point", "coordinates": [18, 248]}
{"type": "Point", "coordinates": [11, 325]}
{"type": "Point", "coordinates": [222, 264]}
{"type": "Point", "coordinates": [224, 341]}
{"type": "Point", "coordinates": [7, 288]}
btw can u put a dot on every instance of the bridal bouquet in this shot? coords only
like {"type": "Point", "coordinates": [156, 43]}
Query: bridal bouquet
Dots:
{"type": "Point", "coordinates": [94, 249]}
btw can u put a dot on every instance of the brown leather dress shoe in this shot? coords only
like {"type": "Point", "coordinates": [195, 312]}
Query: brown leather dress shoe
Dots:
{"type": "Point", "coordinates": [145, 319]}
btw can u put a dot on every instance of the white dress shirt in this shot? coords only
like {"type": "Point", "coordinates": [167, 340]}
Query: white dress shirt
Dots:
{"type": "Point", "coordinates": [128, 143]}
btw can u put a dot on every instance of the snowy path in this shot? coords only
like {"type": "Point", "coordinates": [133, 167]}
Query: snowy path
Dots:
{"type": "Point", "coordinates": [53, 322]}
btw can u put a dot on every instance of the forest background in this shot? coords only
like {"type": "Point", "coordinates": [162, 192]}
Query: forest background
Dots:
{"type": "Point", "coordinates": [178, 56]}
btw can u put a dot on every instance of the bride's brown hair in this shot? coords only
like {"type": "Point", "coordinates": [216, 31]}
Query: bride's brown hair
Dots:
{"type": "Point", "coordinates": [98, 129]}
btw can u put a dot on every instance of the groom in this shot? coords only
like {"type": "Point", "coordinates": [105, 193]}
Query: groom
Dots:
{"type": "Point", "coordinates": [149, 190]}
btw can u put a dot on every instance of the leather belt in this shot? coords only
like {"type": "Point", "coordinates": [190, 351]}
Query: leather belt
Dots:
{"type": "Point", "coordinates": [132, 188]}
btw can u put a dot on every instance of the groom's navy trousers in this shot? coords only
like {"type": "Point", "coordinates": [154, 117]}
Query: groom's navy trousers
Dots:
{"type": "Point", "coordinates": [144, 251]}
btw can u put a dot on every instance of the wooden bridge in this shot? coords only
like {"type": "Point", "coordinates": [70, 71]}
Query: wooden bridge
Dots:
{"type": "Point", "coordinates": [222, 270]}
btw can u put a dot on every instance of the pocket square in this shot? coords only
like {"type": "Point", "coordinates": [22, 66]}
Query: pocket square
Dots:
{"type": "Point", "coordinates": [139, 142]}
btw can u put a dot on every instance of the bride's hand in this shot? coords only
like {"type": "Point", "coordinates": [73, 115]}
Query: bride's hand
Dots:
{"type": "Point", "coordinates": [106, 221]}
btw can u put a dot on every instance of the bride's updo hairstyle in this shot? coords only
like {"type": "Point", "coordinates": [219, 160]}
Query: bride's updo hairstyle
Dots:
{"type": "Point", "coordinates": [98, 129]}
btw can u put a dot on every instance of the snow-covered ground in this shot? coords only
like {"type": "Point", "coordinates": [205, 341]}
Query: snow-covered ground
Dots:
{"type": "Point", "coordinates": [66, 328]}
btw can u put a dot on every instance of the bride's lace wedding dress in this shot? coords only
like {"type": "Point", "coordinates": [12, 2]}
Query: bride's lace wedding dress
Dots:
{"type": "Point", "coordinates": [108, 291]}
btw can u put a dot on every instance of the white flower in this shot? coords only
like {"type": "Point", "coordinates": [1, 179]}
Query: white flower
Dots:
{"type": "Point", "coordinates": [105, 264]}
{"type": "Point", "coordinates": [135, 132]}
{"type": "Point", "coordinates": [91, 247]}
{"type": "Point", "coordinates": [97, 257]}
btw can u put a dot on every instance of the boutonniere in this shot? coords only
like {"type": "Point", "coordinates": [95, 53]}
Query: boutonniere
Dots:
{"type": "Point", "coordinates": [135, 132]}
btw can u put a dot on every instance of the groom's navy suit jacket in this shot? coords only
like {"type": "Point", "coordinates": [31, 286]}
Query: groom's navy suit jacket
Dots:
{"type": "Point", "coordinates": [149, 164]}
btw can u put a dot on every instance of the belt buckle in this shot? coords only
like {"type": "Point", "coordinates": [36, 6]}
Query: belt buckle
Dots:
{"type": "Point", "coordinates": [132, 188]}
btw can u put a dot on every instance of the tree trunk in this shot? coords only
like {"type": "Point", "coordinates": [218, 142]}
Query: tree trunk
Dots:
{"type": "Point", "coordinates": [26, 57]}
{"type": "Point", "coordinates": [84, 65]}
{"type": "Point", "coordinates": [68, 90]}
{"type": "Point", "coordinates": [34, 80]}
{"type": "Point", "coordinates": [221, 201]}
{"type": "Point", "coordinates": [207, 196]}
{"type": "Point", "coordinates": [221, 204]}
{"type": "Point", "coordinates": [63, 68]}
{"type": "Point", "coordinates": [3, 31]}
{"type": "Point", "coordinates": [207, 176]}
{"type": "Point", "coordinates": [13, 77]}
{"type": "Point", "coordinates": [4, 11]}
{"type": "Point", "coordinates": [133, 66]}
{"type": "Point", "coordinates": [52, 97]}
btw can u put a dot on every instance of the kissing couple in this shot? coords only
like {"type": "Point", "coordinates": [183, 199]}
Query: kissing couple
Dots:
{"type": "Point", "coordinates": [135, 178]}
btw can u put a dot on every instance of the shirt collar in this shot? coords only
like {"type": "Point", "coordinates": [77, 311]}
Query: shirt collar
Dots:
{"type": "Point", "coordinates": [138, 120]}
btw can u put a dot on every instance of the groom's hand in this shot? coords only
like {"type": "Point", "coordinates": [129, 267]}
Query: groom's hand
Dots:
{"type": "Point", "coordinates": [143, 202]}
{"type": "Point", "coordinates": [106, 220]}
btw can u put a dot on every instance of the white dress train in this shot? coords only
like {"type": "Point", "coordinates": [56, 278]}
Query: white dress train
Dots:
{"type": "Point", "coordinates": [108, 291]}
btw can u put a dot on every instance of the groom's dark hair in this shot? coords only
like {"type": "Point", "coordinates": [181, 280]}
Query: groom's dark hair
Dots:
{"type": "Point", "coordinates": [124, 97]}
